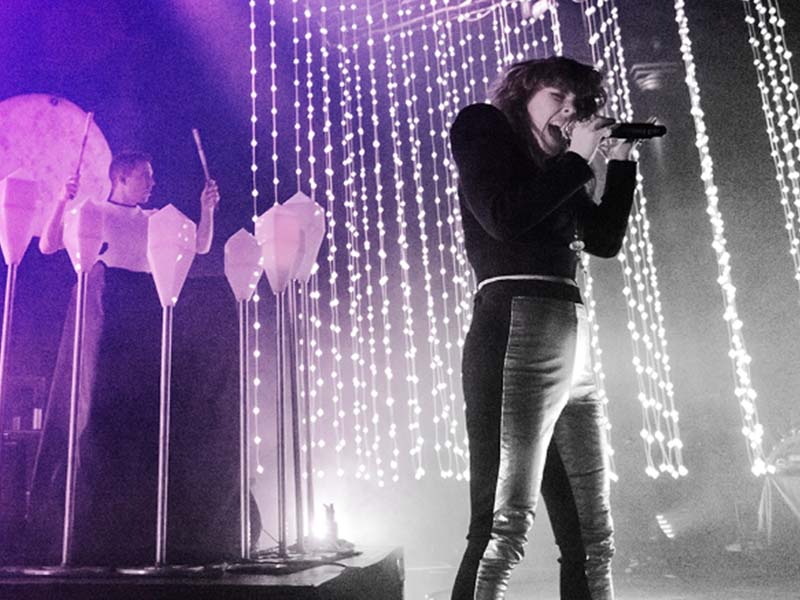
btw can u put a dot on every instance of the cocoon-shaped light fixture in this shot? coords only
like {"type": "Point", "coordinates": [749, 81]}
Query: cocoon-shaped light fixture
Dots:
{"type": "Point", "coordinates": [19, 205]}
{"type": "Point", "coordinates": [279, 232]}
{"type": "Point", "coordinates": [243, 264]}
{"type": "Point", "coordinates": [83, 234]}
{"type": "Point", "coordinates": [312, 218]}
{"type": "Point", "coordinates": [171, 246]}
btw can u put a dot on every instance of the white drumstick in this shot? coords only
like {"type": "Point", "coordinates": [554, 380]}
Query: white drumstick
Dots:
{"type": "Point", "coordinates": [200, 153]}
{"type": "Point", "coordinates": [89, 118]}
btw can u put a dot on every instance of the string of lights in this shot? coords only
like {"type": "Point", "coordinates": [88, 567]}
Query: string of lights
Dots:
{"type": "Point", "coordinates": [310, 295]}
{"type": "Point", "coordinates": [347, 62]}
{"type": "Point", "coordinates": [337, 408]}
{"type": "Point", "coordinates": [254, 327]}
{"type": "Point", "coordinates": [740, 360]}
{"type": "Point", "coordinates": [645, 321]}
{"type": "Point", "coordinates": [438, 385]}
{"type": "Point", "coordinates": [372, 416]}
{"type": "Point", "coordinates": [778, 89]}
{"type": "Point", "coordinates": [410, 349]}
{"type": "Point", "coordinates": [425, 85]}
{"type": "Point", "coordinates": [436, 127]}
{"type": "Point", "coordinates": [460, 269]}
{"type": "Point", "coordinates": [383, 277]}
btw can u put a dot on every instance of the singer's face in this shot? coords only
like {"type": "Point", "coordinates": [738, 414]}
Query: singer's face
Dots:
{"type": "Point", "coordinates": [550, 109]}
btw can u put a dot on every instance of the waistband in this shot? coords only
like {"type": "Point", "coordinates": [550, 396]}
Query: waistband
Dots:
{"type": "Point", "coordinates": [551, 278]}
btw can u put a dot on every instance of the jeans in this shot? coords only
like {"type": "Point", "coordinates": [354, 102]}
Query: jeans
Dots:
{"type": "Point", "coordinates": [534, 423]}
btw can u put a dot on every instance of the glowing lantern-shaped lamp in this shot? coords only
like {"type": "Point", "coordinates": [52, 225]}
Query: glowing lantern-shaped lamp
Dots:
{"type": "Point", "coordinates": [171, 247]}
{"type": "Point", "coordinates": [243, 268]}
{"type": "Point", "coordinates": [279, 232]}
{"type": "Point", "coordinates": [280, 235]}
{"type": "Point", "coordinates": [19, 196]}
{"type": "Point", "coordinates": [171, 243]}
{"type": "Point", "coordinates": [19, 207]}
{"type": "Point", "coordinates": [312, 222]}
{"type": "Point", "coordinates": [83, 234]}
{"type": "Point", "coordinates": [290, 235]}
{"type": "Point", "coordinates": [243, 264]}
{"type": "Point", "coordinates": [312, 217]}
{"type": "Point", "coordinates": [83, 238]}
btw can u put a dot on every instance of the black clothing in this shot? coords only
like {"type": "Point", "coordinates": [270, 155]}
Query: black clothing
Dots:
{"type": "Point", "coordinates": [118, 425]}
{"type": "Point", "coordinates": [520, 219]}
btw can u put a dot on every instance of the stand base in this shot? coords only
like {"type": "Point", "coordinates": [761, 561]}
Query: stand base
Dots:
{"type": "Point", "coordinates": [173, 571]}
{"type": "Point", "coordinates": [59, 571]}
{"type": "Point", "coordinates": [374, 574]}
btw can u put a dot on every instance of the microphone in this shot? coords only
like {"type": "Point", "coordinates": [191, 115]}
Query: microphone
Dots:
{"type": "Point", "coordinates": [637, 131]}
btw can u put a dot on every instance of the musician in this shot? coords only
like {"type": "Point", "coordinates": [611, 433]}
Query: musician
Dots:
{"type": "Point", "coordinates": [132, 182]}
{"type": "Point", "coordinates": [533, 414]}
{"type": "Point", "coordinates": [118, 407]}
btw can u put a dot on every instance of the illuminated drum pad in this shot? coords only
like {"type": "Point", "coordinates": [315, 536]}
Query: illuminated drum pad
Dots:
{"type": "Point", "coordinates": [42, 134]}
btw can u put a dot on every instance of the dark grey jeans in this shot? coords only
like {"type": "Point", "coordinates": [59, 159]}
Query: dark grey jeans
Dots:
{"type": "Point", "coordinates": [534, 423]}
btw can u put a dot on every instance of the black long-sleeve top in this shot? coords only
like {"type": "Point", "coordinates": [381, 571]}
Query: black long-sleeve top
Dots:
{"type": "Point", "coordinates": [520, 218]}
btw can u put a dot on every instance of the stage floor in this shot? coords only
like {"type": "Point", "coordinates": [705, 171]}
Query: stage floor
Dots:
{"type": "Point", "coordinates": [748, 583]}
{"type": "Point", "coordinates": [419, 587]}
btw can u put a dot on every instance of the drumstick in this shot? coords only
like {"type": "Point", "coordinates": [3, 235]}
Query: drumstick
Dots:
{"type": "Point", "coordinates": [89, 118]}
{"type": "Point", "coordinates": [200, 153]}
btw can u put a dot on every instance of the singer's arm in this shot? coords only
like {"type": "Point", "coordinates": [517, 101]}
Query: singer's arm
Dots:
{"type": "Point", "coordinates": [505, 194]}
{"type": "Point", "coordinates": [51, 238]}
{"type": "Point", "coordinates": [603, 227]}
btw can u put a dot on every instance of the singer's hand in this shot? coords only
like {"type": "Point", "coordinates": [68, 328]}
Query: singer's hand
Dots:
{"type": "Point", "coordinates": [587, 135]}
{"type": "Point", "coordinates": [209, 199]}
{"type": "Point", "coordinates": [617, 149]}
{"type": "Point", "coordinates": [71, 188]}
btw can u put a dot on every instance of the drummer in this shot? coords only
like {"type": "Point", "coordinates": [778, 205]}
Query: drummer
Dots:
{"type": "Point", "coordinates": [118, 412]}
{"type": "Point", "coordinates": [132, 182]}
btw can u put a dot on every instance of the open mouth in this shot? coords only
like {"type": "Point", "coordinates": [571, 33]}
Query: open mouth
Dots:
{"type": "Point", "coordinates": [556, 132]}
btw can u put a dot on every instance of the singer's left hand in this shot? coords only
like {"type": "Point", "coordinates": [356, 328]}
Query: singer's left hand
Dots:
{"type": "Point", "coordinates": [616, 149]}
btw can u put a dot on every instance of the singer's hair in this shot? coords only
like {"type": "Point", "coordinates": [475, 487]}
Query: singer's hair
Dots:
{"type": "Point", "coordinates": [123, 164]}
{"type": "Point", "coordinates": [520, 81]}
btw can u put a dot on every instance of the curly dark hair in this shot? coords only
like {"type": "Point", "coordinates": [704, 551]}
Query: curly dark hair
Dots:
{"type": "Point", "coordinates": [512, 91]}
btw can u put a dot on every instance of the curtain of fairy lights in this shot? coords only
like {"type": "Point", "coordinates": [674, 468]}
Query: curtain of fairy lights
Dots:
{"type": "Point", "coordinates": [772, 60]}
{"type": "Point", "coordinates": [359, 122]}
{"type": "Point", "coordinates": [660, 431]}
{"type": "Point", "coordinates": [740, 359]}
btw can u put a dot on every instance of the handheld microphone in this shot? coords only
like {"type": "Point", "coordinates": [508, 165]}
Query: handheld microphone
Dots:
{"type": "Point", "coordinates": [637, 131]}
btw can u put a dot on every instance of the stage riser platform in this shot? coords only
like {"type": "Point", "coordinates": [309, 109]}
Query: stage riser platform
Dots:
{"type": "Point", "coordinates": [372, 576]}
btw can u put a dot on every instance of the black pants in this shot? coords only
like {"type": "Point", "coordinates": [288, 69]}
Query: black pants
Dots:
{"type": "Point", "coordinates": [523, 387]}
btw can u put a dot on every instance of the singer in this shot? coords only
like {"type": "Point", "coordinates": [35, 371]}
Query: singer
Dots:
{"type": "Point", "coordinates": [533, 414]}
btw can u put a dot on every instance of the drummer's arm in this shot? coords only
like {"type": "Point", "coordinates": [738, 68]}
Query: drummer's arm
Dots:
{"type": "Point", "coordinates": [51, 238]}
{"type": "Point", "coordinates": [205, 230]}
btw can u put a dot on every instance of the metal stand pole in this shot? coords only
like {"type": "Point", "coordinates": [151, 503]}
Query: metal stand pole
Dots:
{"type": "Point", "coordinates": [307, 411]}
{"type": "Point", "coordinates": [281, 441]}
{"type": "Point", "coordinates": [163, 436]}
{"type": "Point", "coordinates": [244, 436]}
{"type": "Point", "coordinates": [161, 568]}
{"type": "Point", "coordinates": [298, 476]}
{"type": "Point", "coordinates": [72, 441]}
{"type": "Point", "coordinates": [8, 314]}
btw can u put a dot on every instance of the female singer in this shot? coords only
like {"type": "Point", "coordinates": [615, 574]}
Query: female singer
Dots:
{"type": "Point", "coordinates": [533, 415]}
